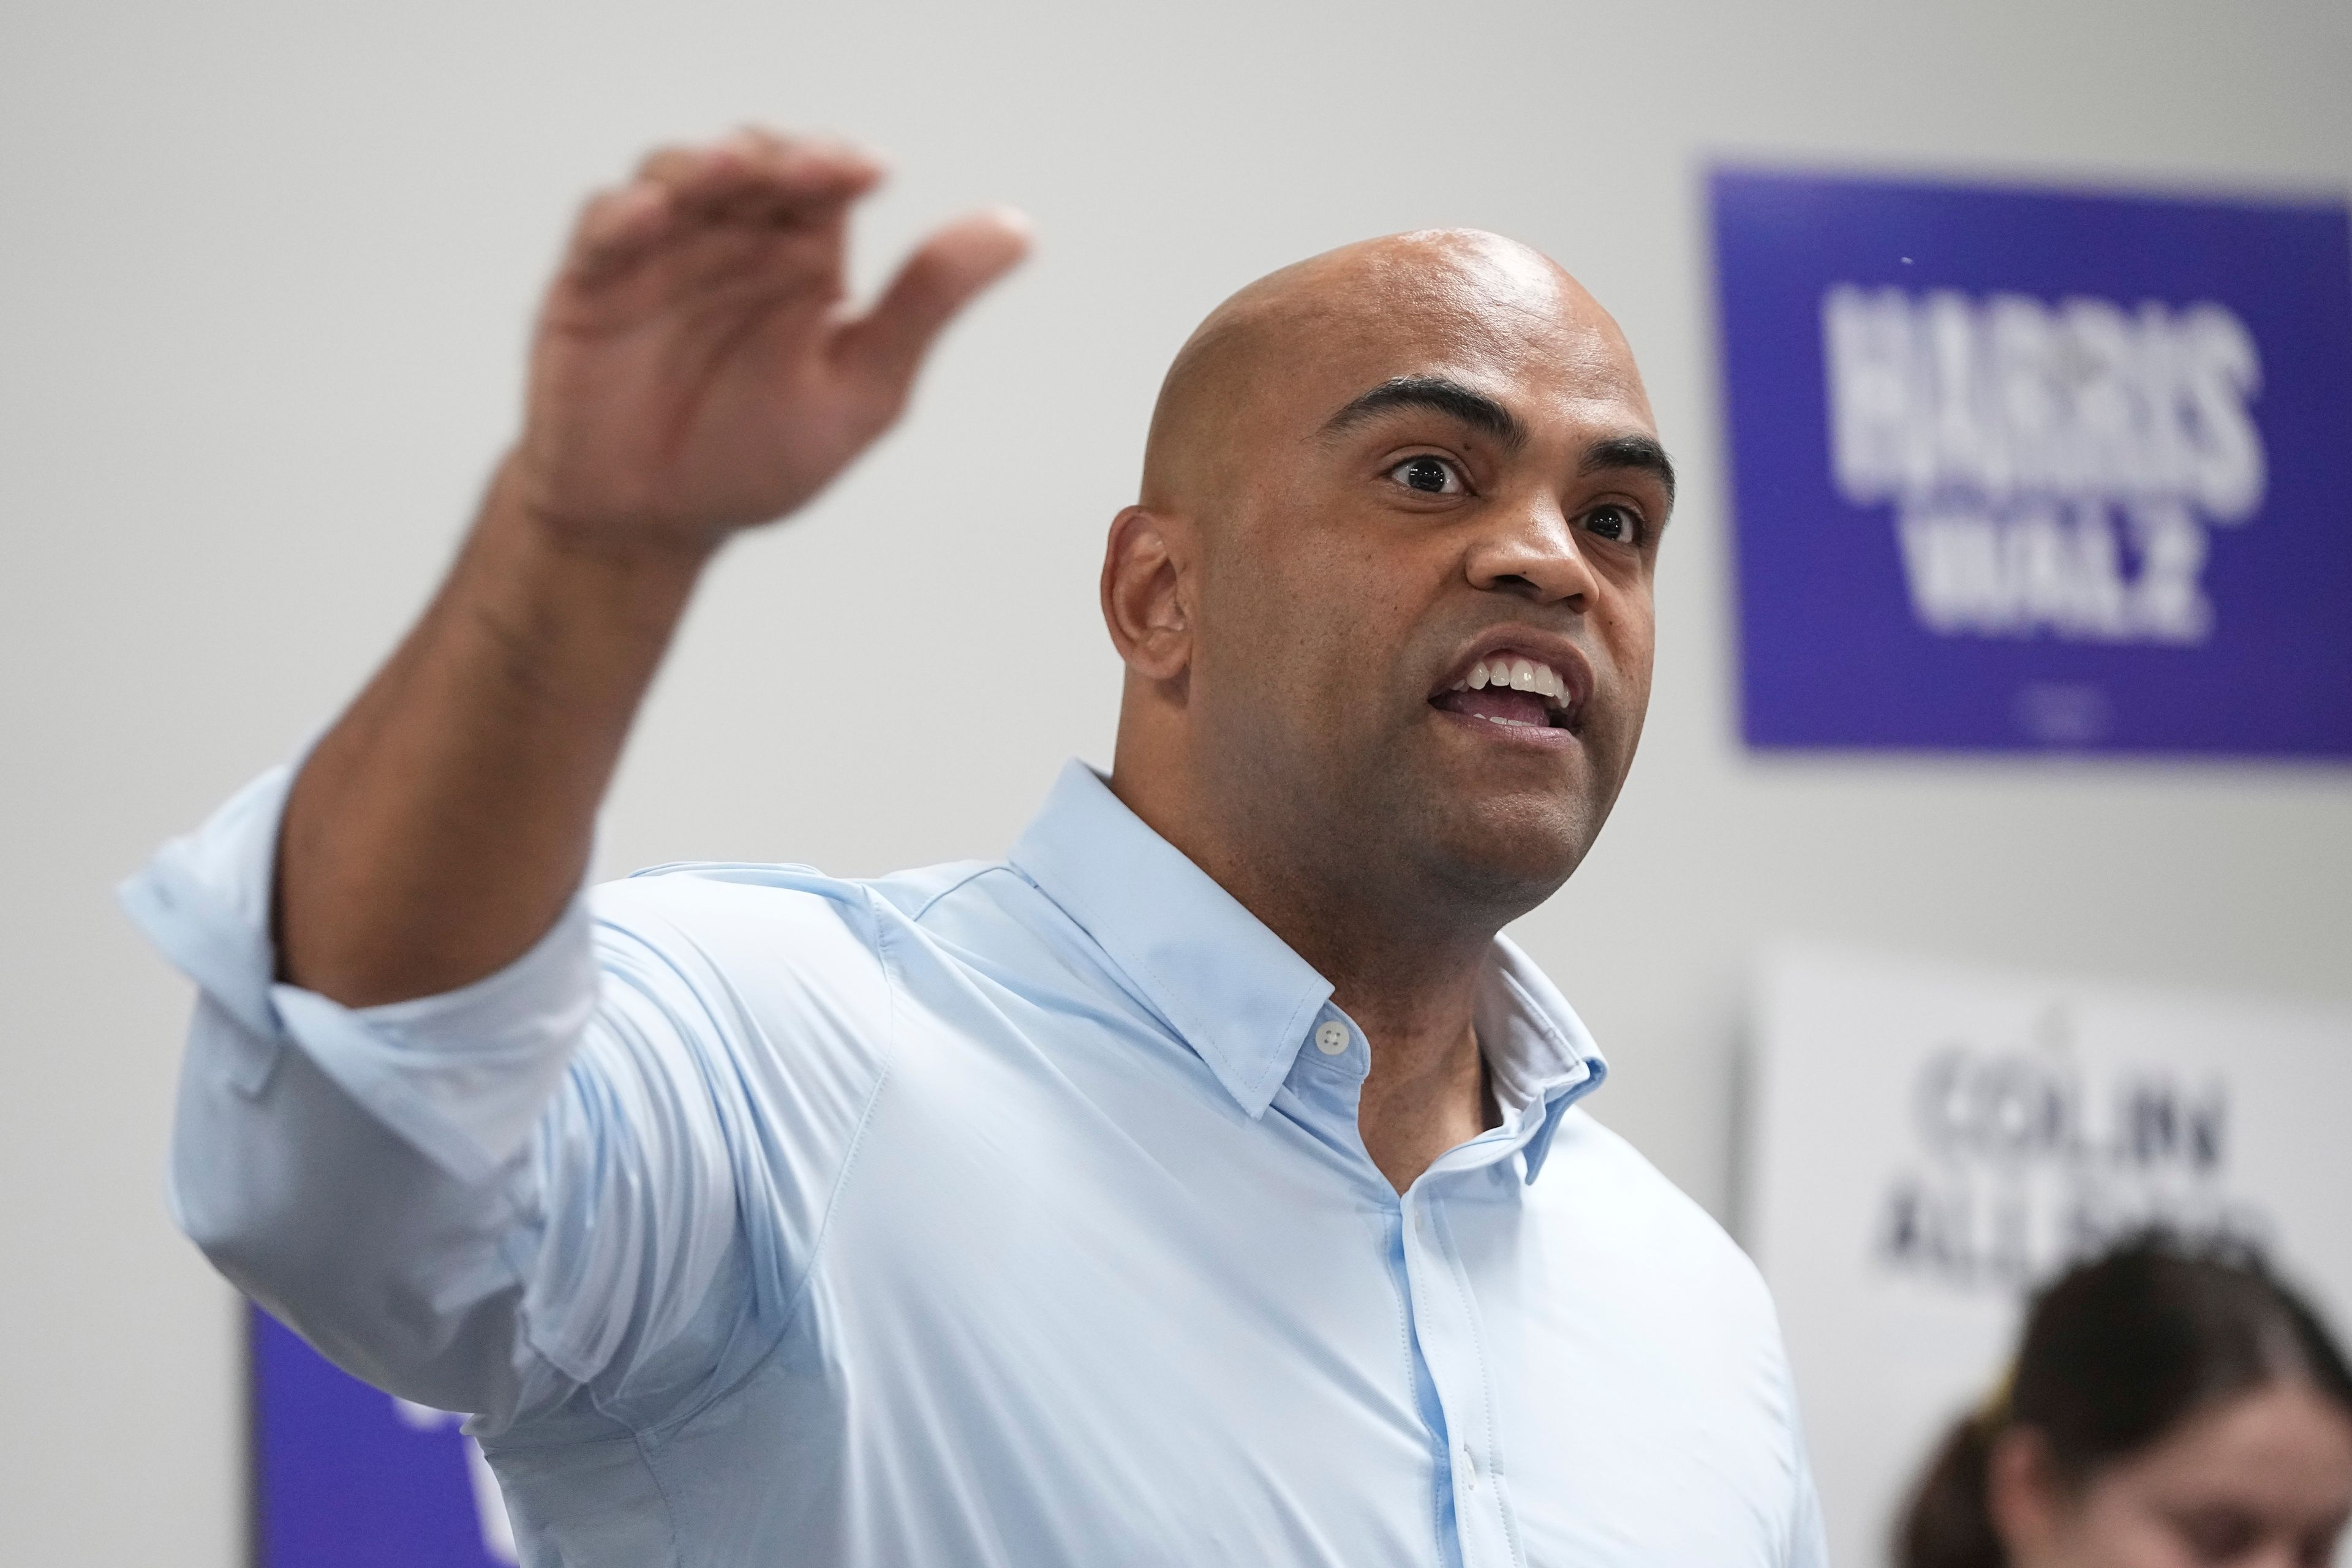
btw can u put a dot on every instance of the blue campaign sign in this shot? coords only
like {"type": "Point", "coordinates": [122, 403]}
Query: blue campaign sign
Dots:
{"type": "Point", "coordinates": [348, 1477]}
{"type": "Point", "coordinates": [2015, 469]}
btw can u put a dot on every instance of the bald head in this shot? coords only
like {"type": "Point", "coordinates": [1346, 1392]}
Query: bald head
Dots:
{"type": "Point", "coordinates": [1449, 290]}
{"type": "Point", "coordinates": [1371, 477]}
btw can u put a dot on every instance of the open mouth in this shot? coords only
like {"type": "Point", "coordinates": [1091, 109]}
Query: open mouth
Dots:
{"type": "Point", "coordinates": [1513, 691]}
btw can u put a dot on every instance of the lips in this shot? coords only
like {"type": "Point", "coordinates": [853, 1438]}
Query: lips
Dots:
{"type": "Point", "coordinates": [1511, 689]}
{"type": "Point", "coordinates": [1523, 710]}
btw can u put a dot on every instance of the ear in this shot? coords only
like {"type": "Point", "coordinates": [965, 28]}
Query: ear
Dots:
{"type": "Point", "coordinates": [2023, 1494]}
{"type": "Point", "coordinates": [1144, 594]}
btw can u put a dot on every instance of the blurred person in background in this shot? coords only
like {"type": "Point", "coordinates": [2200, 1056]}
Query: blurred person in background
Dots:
{"type": "Point", "coordinates": [2173, 1404]}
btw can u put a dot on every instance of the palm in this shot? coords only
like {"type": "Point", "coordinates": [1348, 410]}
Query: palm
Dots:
{"type": "Point", "coordinates": [695, 370]}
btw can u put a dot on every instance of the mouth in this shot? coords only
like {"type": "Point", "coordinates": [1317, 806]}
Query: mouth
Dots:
{"type": "Point", "coordinates": [1515, 692]}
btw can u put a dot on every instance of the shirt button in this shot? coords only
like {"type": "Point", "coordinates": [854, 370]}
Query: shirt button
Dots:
{"type": "Point", "coordinates": [1469, 1468]}
{"type": "Point", "coordinates": [1331, 1038]}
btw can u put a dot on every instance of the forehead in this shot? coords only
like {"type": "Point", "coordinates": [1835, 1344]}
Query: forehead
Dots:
{"type": "Point", "coordinates": [1492, 315]}
{"type": "Point", "coordinates": [2282, 1445]}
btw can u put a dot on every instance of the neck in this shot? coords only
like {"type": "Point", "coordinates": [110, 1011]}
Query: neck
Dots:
{"type": "Point", "coordinates": [1407, 975]}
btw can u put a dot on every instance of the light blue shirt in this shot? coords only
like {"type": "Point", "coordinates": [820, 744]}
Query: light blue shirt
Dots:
{"type": "Point", "coordinates": [992, 1214]}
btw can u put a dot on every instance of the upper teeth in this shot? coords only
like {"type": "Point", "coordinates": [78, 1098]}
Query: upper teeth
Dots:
{"type": "Point", "coordinates": [1517, 674]}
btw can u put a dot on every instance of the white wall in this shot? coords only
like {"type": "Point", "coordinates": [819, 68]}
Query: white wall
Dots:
{"type": "Point", "coordinates": [261, 297]}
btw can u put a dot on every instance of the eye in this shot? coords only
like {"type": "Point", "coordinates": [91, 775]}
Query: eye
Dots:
{"type": "Point", "coordinates": [1611, 521]}
{"type": "Point", "coordinates": [1429, 475]}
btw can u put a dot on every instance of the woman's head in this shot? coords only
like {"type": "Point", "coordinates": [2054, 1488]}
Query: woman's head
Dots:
{"type": "Point", "coordinates": [2172, 1405]}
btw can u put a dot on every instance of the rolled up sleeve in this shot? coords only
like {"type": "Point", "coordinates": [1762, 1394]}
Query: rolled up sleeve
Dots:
{"type": "Point", "coordinates": [462, 1076]}
{"type": "Point", "coordinates": [378, 1178]}
{"type": "Point", "coordinates": [534, 1187]}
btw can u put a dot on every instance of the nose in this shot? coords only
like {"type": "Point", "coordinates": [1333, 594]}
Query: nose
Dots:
{"type": "Point", "coordinates": [1532, 551]}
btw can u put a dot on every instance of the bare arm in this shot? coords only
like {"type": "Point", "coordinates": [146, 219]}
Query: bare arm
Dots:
{"type": "Point", "coordinates": [694, 372]}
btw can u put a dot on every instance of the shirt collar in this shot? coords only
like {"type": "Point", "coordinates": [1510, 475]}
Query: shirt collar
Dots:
{"type": "Point", "coordinates": [1236, 993]}
{"type": "Point", "coordinates": [1232, 989]}
{"type": "Point", "coordinates": [1540, 1058]}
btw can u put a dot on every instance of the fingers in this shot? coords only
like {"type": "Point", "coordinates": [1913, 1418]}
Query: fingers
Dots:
{"type": "Point", "coordinates": [751, 178]}
{"type": "Point", "coordinates": [616, 228]}
{"type": "Point", "coordinates": [757, 174]}
{"type": "Point", "coordinates": [888, 343]}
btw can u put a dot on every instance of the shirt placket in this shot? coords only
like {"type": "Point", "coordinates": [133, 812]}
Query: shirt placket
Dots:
{"type": "Point", "coordinates": [1447, 1340]}
{"type": "Point", "coordinates": [1452, 1382]}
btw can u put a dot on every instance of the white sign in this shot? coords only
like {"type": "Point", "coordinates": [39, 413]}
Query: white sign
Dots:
{"type": "Point", "coordinates": [1923, 1143]}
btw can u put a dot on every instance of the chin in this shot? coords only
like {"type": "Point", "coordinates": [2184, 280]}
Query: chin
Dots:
{"type": "Point", "coordinates": [1513, 854]}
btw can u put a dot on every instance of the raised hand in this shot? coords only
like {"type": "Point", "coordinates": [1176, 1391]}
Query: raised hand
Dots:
{"type": "Point", "coordinates": [695, 370]}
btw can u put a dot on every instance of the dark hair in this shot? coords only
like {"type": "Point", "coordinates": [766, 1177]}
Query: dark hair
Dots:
{"type": "Point", "coordinates": [2117, 1351]}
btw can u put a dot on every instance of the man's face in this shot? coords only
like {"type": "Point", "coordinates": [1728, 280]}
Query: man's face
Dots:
{"type": "Point", "coordinates": [1426, 618]}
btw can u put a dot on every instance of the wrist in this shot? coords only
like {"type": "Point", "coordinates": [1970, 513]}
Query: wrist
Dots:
{"type": "Point", "coordinates": [654, 551]}
{"type": "Point", "coordinates": [539, 577]}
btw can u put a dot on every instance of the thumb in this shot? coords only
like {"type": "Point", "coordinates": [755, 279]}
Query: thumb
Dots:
{"type": "Point", "coordinates": [884, 346]}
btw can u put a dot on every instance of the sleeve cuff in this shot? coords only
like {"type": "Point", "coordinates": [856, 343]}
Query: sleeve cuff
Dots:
{"type": "Point", "coordinates": [203, 900]}
{"type": "Point", "coordinates": [462, 1076]}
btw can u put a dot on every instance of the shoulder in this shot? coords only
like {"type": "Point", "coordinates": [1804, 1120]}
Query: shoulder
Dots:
{"type": "Point", "coordinates": [929, 892]}
{"type": "Point", "coordinates": [726, 903]}
{"type": "Point", "coordinates": [783, 888]}
{"type": "Point", "coordinates": [783, 916]}
{"type": "Point", "coordinates": [781, 934]}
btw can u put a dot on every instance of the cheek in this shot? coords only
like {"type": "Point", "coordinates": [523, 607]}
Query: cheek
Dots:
{"type": "Point", "coordinates": [1283, 632]}
{"type": "Point", "coordinates": [1628, 637]}
{"type": "Point", "coordinates": [1344, 606]}
{"type": "Point", "coordinates": [1631, 619]}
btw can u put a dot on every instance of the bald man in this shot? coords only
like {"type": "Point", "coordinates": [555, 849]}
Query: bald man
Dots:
{"type": "Point", "coordinates": [1201, 1184]}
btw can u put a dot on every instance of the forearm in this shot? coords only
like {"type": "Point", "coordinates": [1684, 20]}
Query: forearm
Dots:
{"type": "Point", "coordinates": [438, 829]}
{"type": "Point", "coordinates": [693, 374]}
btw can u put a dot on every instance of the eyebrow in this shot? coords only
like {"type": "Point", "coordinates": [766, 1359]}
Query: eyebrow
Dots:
{"type": "Point", "coordinates": [1480, 412]}
{"type": "Point", "coordinates": [1449, 397]}
{"type": "Point", "coordinates": [1638, 452]}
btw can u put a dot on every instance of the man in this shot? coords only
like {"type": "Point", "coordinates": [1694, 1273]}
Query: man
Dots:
{"type": "Point", "coordinates": [1198, 1185]}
